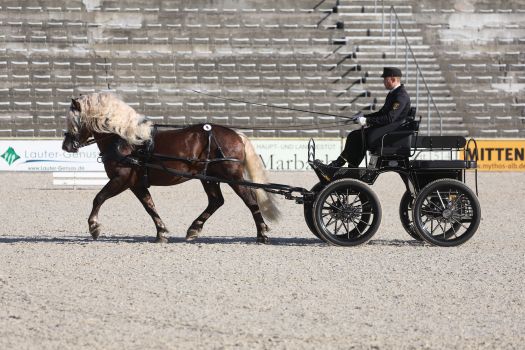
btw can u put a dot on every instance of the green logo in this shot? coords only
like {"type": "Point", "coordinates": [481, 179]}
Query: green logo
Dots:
{"type": "Point", "coordinates": [10, 156]}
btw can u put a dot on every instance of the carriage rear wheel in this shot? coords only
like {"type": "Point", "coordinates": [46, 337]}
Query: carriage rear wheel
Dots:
{"type": "Point", "coordinates": [405, 214]}
{"type": "Point", "coordinates": [446, 213]}
{"type": "Point", "coordinates": [308, 211]}
{"type": "Point", "coordinates": [346, 212]}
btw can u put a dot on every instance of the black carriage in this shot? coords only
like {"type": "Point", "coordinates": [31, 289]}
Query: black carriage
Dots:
{"type": "Point", "coordinates": [437, 206]}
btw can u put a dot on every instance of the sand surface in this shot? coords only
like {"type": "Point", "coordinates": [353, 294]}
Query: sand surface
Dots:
{"type": "Point", "coordinates": [59, 289]}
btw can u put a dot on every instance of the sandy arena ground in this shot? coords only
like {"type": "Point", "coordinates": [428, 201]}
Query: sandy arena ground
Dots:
{"type": "Point", "coordinates": [59, 289]}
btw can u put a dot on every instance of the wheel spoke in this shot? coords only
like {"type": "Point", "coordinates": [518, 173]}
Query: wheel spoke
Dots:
{"type": "Point", "coordinates": [453, 230]}
{"type": "Point", "coordinates": [443, 228]}
{"type": "Point", "coordinates": [441, 199]}
{"type": "Point", "coordinates": [329, 221]}
{"type": "Point", "coordinates": [364, 222]}
{"type": "Point", "coordinates": [434, 204]}
{"type": "Point", "coordinates": [357, 228]}
{"type": "Point", "coordinates": [424, 222]}
{"type": "Point", "coordinates": [345, 226]}
{"type": "Point", "coordinates": [432, 227]}
{"type": "Point", "coordinates": [332, 206]}
{"type": "Point", "coordinates": [459, 222]}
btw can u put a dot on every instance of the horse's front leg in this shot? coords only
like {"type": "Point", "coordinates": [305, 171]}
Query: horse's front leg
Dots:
{"type": "Point", "coordinates": [144, 197]}
{"type": "Point", "coordinates": [115, 186]}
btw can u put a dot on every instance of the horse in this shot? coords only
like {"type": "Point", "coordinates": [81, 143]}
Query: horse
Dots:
{"type": "Point", "coordinates": [119, 132]}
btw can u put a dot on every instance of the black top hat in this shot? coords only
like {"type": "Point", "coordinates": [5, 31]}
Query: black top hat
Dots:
{"type": "Point", "coordinates": [391, 72]}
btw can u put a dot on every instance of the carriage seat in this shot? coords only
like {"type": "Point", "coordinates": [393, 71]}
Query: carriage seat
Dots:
{"type": "Point", "coordinates": [440, 142]}
{"type": "Point", "coordinates": [399, 142]}
{"type": "Point", "coordinates": [447, 143]}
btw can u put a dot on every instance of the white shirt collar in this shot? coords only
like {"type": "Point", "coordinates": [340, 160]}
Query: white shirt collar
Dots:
{"type": "Point", "coordinates": [395, 87]}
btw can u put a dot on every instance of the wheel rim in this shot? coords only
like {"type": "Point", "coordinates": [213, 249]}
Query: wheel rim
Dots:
{"type": "Point", "coordinates": [447, 214]}
{"type": "Point", "coordinates": [345, 214]}
{"type": "Point", "coordinates": [348, 215]}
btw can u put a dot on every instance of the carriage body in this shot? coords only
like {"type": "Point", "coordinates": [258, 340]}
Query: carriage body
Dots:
{"type": "Point", "coordinates": [437, 206]}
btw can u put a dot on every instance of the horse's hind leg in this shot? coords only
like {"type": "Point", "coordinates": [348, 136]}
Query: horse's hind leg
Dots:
{"type": "Point", "coordinates": [250, 199]}
{"type": "Point", "coordinates": [215, 201]}
{"type": "Point", "coordinates": [144, 197]}
{"type": "Point", "coordinates": [115, 186]}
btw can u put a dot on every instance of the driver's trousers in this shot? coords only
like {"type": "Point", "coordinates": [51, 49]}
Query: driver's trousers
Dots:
{"type": "Point", "coordinates": [355, 149]}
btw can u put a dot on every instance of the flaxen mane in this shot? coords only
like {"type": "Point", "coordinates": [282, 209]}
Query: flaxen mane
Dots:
{"type": "Point", "coordinates": [106, 113]}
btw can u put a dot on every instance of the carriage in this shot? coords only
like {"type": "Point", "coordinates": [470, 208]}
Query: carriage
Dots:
{"type": "Point", "coordinates": [341, 209]}
{"type": "Point", "coordinates": [437, 206]}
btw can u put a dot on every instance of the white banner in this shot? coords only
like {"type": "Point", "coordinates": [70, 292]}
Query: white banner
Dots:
{"type": "Point", "coordinates": [47, 155]}
{"type": "Point", "coordinates": [292, 155]}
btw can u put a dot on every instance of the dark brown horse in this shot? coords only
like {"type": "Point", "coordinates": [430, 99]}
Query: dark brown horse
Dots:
{"type": "Point", "coordinates": [119, 131]}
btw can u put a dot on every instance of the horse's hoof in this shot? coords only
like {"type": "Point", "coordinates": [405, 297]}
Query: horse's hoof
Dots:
{"type": "Point", "coordinates": [192, 234]}
{"type": "Point", "coordinates": [161, 239]}
{"type": "Point", "coordinates": [191, 237]}
{"type": "Point", "coordinates": [264, 228]}
{"type": "Point", "coordinates": [263, 239]}
{"type": "Point", "coordinates": [94, 229]}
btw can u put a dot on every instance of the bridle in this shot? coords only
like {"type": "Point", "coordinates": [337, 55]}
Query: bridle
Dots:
{"type": "Point", "coordinates": [76, 143]}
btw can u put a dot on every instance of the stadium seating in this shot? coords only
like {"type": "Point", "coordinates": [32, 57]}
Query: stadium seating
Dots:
{"type": "Point", "coordinates": [323, 56]}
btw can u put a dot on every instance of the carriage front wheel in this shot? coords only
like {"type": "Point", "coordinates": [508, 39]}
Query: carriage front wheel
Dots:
{"type": "Point", "coordinates": [346, 212]}
{"type": "Point", "coordinates": [446, 213]}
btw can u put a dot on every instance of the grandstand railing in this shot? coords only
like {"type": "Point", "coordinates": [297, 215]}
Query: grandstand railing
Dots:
{"type": "Point", "coordinates": [393, 32]}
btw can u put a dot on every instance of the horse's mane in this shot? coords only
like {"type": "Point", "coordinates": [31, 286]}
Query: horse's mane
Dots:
{"type": "Point", "coordinates": [106, 113]}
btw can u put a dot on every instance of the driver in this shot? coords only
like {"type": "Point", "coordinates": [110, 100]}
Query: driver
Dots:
{"type": "Point", "coordinates": [376, 125]}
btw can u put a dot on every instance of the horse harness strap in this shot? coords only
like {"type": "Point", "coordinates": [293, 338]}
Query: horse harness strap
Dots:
{"type": "Point", "coordinates": [145, 156]}
{"type": "Point", "coordinates": [150, 146]}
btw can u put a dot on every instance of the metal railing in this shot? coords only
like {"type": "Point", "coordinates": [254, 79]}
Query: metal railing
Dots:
{"type": "Point", "coordinates": [393, 32]}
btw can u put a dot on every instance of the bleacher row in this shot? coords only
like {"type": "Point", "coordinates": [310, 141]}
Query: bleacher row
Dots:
{"type": "Point", "coordinates": [317, 55]}
{"type": "Point", "coordinates": [79, 6]}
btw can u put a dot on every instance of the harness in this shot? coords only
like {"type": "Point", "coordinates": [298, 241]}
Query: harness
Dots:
{"type": "Point", "coordinates": [145, 156]}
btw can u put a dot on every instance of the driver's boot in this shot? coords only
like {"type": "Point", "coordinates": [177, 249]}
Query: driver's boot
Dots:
{"type": "Point", "coordinates": [328, 170]}
{"type": "Point", "coordinates": [339, 162]}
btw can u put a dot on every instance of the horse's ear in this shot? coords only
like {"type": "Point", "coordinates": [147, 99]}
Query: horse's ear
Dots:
{"type": "Point", "coordinates": [75, 103]}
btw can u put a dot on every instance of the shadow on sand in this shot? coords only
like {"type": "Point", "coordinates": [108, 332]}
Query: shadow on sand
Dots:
{"type": "Point", "coordinates": [85, 239]}
{"type": "Point", "coordinates": [279, 241]}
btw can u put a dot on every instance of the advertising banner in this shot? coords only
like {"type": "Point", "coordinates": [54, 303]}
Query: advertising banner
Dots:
{"type": "Point", "coordinates": [292, 155]}
{"type": "Point", "coordinates": [47, 155]}
{"type": "Point", "coordinates": [499, 154]}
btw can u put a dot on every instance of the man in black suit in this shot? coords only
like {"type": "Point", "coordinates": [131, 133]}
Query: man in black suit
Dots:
{"type": "Point", "coordinates": [377, 124]}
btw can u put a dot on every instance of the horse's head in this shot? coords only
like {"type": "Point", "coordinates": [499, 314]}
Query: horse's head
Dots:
{"type": "Point", "coordinates": [76, 133]}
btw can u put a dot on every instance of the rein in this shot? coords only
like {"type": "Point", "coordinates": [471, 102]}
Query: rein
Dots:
{"type": "Point", "coordinates": [270, 106]}
{"type": "Point", "coordinates": [269, 127]}
{"type": "Point", "coordinates": [88, 142]}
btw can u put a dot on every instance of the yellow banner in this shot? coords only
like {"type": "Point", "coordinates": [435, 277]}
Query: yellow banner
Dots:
{"type": "Point", "coordinates": [499, 154]}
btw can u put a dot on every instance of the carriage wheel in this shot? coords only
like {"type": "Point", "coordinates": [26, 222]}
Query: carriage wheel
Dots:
{"type": "Point", "coordinates": [446, 213]}
{"type": "Point", "coordinates": [308, 212]}
{"type": "Point", "coordinates": [406, 207]}
{"type": "Point", "coordinates": [405, 214]}
{"type": "Point", "coordinates": [346, 212]}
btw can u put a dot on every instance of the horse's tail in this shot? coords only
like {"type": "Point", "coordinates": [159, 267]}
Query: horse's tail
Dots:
{"type": "Point", "coordinates": [256, 173]}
